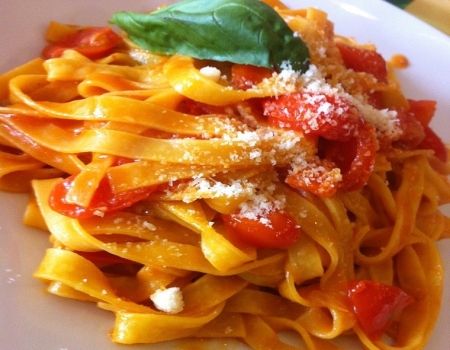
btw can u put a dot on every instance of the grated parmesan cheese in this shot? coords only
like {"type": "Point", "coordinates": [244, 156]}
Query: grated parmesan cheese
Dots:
{"type": "Point", "coordinates": [385, 121]}
{"type": "Point", "coordinates": [258, 144]}
{"type": "Point", "coordinates": [149, 226]}
{"type": "Point", "coordinates": [211, 72]}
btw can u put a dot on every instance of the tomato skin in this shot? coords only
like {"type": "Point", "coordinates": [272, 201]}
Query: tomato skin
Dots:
{"type": "Point", "coordinates": [376, 305]}
{"type": "Point", "coordinates": [422, 110]}
{"type": "Point", "coordinates": [318, 179]}
{"type": "Point", "coordinates": [317, 114]}
{"type": "Point", "coordinates": [363, 60]}
{"type": "Point", "coordinates": [375, 99]}
{"type": "Point", "coordinates": [104, 200]}
{"type": "Point", "coordinates": [412, 130]}
{"type": "Point", "coordinates": [434, 142]}
{"type": "Point", "coordinates": [355, 158]}
{"type": "Point", "coordinates": [276, 229]}
{"type": "Point", "coordinates": [244, 76]}
{"type": "Point", "coordinates": [92, 42]}
{"type": "Point", "coordinates": [416, 132]}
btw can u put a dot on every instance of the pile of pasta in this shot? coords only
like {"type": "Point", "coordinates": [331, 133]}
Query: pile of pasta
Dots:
{"type": "Point", "coordinates": [123, 118]}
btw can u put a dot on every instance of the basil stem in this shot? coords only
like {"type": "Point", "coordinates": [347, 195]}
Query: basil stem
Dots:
{"type": "Point", "coordinates": [238, 31]}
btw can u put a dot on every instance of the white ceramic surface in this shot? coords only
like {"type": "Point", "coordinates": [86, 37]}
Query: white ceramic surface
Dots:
{"type": "Point", "coordinates": [30, 319]}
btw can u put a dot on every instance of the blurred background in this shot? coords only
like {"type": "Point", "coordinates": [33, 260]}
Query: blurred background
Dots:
{"type": "Point", "coordinates": [435, 12]}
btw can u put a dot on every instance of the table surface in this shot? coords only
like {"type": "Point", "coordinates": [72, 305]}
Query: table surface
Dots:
{"type": "Point", "coordinates": [435, 12]}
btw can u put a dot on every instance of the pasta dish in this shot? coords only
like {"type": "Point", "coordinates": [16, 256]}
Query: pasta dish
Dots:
{"type": "Point", "coordinates": [203, 175]}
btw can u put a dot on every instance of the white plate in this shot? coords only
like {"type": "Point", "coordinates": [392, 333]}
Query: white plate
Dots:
{"type": "Point", "coordinates": [32, 319]}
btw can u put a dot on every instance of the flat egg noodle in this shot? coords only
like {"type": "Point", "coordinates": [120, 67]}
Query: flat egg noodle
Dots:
{"type": "Point", "coordinates": [216, 248]}
{"type": "Point", "coordinates": [75, 67]}
{"type": "Point", "coordinates": [32, 67]}
{"type": "Point", "coordinates": [417, 265]}
{"type": "Point", "coordinates": [149, 173]}
{"type": "Point", "coordinates": [65, 162]}
{"type": "Point", "coordinates": [407, 202]}
{"type": "Point", "coordinates": [215, 151]}
{"type": "Point", "coordinates": [187, 80]}
{"type": "Point", "coordinates": [21, 166]}
{"type": "Point", "coordinates": [120, 109]}
{"type": "Point", "coordinates": [219, 289]}
{"type": "Point", "coordinates": [56, 266]}
{"type": "Point", "coordinates": [69, 232]}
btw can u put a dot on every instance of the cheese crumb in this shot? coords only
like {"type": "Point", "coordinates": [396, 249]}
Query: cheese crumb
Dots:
{"type": "Point", "coordinates": [211, 72]}
{"type": "Point", "coordinates": [169, 300]}
{"type": "Point", "coordinates": [149, 226]}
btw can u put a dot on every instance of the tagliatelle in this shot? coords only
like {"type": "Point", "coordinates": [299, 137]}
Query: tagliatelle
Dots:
{"type": "Point", "coordinates": [200, 148]}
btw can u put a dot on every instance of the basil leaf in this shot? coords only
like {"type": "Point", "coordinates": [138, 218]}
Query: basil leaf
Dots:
{"type": "Point", "coordinates": [239, 31]}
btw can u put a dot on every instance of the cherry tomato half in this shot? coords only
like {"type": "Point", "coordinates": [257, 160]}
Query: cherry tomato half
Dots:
{"type": "Point", "coordinates": [93, 42]}
{"type": "Point", "coordinates": [376, 305]}
{"type": "Point", "coordinates": [104, 199]}
{"type": "Point", "coordinates": [276, 229]}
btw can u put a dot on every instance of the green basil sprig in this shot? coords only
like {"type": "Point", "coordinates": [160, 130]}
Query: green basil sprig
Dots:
{"type": "Point", "coordinates": [239, 31]}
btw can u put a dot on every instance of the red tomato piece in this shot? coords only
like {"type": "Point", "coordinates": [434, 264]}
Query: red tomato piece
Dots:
{"type": "Point", "coordinates": [346, 140]}
{"type": "Point", "coordinates": [416, 132]}
{"type": "Point", "coordinates": [376, 99]}
{"type": "Point", "coordinates": [244, 76]}
{"type": "Point", "coordinates": [355, 157]}
{"type": "Point", "coordinates": [318, 179]}
{"type": "Point", "coordinates": [104, 199]}
{"type": "Point", "coordinates": [93, 42]}
{"type": "Point", "coordinates": [122, 160]}
{"type": "Point", "coordinates": [276, 229]}
{"type": "Point", "coordinates": [341, 153]}
{"type": "Point", "coordinates": [412, 130]}
{"type": "Point", "coordinates": [318, 114]}
{"type": "Point", "coordinates": [363, 60]}
{"type": "Point", "coordinates": [434, 142]}
{"type": "Point", "coordinates": [422, 110]}
{"type": "Point", "coordinates": [376, 305]}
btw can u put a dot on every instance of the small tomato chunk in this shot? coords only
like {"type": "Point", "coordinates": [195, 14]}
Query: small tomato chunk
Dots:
{"type": "Point", "coordinates": [314, 113]}
{"type": "Point", "coordinates": [434, 142]}
{"type": "Point", "coordinates": [412, 130]}
{"type": "Point", "coordinates": [92, 42]}
{"type": "Point", "coordinates": [376, 305]}
{"type": "Point", "coordinates": [422, 110]}
{"type": "Point", "coordinates": [104, 199]}
{"type": "Point", "coordinates": [275, 229]}
{"type": "Point", "coordinates": [345, 139]}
